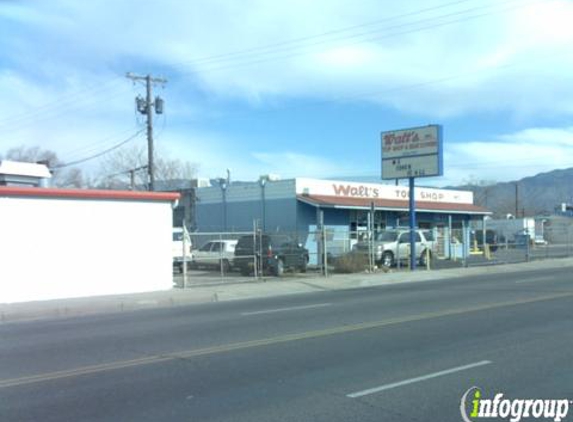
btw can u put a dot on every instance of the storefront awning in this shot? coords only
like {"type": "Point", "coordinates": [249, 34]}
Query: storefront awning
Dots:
{"type": "Point", "coordinates": [323, 201]}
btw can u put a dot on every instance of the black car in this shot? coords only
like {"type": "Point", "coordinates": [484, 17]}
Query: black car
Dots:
{"type": "Point", "coordinates": [276, 253]}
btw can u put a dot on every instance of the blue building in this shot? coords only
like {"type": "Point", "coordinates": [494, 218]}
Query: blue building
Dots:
{"type": "Point", "coordinates": [298, 206]}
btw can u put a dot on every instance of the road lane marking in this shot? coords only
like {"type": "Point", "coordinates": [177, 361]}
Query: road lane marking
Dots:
{"type": "Point", "coordinates": [173, 356]}
{"type": "Point", "coordinates": [534, 280]}
{"type": "Point", "coordinates": [417, 379]}
{"type": "Point", "coordinates": [292, 308]}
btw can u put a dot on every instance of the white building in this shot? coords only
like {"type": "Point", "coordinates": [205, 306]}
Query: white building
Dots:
{"type": "Point", "coordinates": [63, 243]}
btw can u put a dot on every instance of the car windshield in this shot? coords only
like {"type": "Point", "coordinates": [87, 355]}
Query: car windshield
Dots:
{"type": "Point", "coordinates": [386, 236]}
{"type": "Point", "coordinates": [206, 247]}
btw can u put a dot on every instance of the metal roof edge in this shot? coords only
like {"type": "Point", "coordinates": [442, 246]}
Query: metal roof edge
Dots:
{"type": "Point", "coordinates": [35, 192]}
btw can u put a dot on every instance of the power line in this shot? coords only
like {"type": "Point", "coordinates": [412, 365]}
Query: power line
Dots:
{"type": "Point", "coordinates": [298, 40]}
{"type": "Point", "coordinates": [93, 147]}
{"type": "Point", "coordinates": [274, 57]}
{"type": "Point", "coordinates": [69, 101]}
{"type": "Point", "coordinates": [99, 154]}
{"type": "Point", "coordinates": [62, 103]}
{"type": "Point", "coordinates": [371, 94]}
{"type": "Point", "coordinates": [26, 123]}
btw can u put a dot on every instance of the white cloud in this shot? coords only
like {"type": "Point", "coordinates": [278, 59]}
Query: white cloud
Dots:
{"type": "Point", "coordinates": [421, 48]}
{"type": "Point", "coordinates": [293, 164]}
{"type": "Point", "coordinates": [510, 156]}
{"type": "Point", "coordinates": [74, 53]}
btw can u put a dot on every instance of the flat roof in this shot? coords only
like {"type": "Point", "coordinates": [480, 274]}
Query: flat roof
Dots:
{"type": "Point", "coordinates": [324, 201]}
{"type": "Point", "coordinates": [34, 192]}
{"type": "Point", "coordinates": [18, 168]}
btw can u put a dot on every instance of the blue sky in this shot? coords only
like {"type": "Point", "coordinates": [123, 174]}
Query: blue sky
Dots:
{"type": "Point", "coordinates": [295, 88]}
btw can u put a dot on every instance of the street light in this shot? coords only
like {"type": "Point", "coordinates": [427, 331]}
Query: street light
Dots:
{"type": "Point", "coordinates": [224, 185]}
{"type": "Point", "coordinates": [263, 182]}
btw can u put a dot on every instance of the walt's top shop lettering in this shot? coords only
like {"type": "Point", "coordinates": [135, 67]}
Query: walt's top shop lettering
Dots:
{"type": "Point", "coordinates": [292, 206]}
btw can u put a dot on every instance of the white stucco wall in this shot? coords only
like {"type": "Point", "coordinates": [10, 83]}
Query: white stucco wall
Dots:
{"type": "Point", "coordinates": [61, 248]}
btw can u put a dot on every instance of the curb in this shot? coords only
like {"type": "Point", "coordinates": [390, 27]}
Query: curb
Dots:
{"type": "Point", "coordinates": [194, 295]}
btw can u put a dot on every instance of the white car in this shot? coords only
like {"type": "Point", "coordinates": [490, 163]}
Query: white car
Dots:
{"type": "Point", "coordinates": [215, 254]}
{"type": "Point", "coordinates": [177, 248]}
{"type": "Point", "coordinates": [389, 246]}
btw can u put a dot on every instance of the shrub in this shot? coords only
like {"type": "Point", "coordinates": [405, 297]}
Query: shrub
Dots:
{"type": "Point", "coordinates": [351, 263]}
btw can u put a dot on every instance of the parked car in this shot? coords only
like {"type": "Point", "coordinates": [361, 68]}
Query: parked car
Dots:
{"type": "Point", "coordinates": [389, 246]}
{"type": "Point", "coordinates": [540, 241]}
{"type": "Point", "coordinates": [276, 253]}
{"type": "Point", "coordinates": [177, 248]}
{"type": "Point", "coordinates": [215, 254]}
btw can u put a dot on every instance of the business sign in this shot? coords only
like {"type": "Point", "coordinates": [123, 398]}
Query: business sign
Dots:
{"type": "Point", "coordinates": [415, 152]}
{"type": "Point", "coordinates": [345, 189]}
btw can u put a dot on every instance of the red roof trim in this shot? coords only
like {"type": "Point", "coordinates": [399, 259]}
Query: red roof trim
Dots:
{"type": "Point", "coordinates": [87, 194]}
{"type": "Point", "coordinates": [390, 203]}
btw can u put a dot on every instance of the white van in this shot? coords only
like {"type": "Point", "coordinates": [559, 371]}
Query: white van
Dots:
{"type": "Point", "coordinates": [177, 248]}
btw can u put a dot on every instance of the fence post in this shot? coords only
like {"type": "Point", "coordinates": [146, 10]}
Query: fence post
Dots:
{"type": "Point", "coordinates": [184, 267]}
{"type": "Point", "coordinates": [369, 237]}
{"type": "Point", "coordinates": [221, 257]}
{"type": "Point", "coordinates": [527, 246]}
{"type": "Point", "coordinates": [397, 257]}
{"type": "Point", "coordinates": [324, 249]}
{"type": "Point", "coordinates": [255, 269]}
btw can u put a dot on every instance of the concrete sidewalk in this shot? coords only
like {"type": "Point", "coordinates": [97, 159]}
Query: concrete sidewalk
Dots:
{"type": "Point", "coordinates": [63, 308]}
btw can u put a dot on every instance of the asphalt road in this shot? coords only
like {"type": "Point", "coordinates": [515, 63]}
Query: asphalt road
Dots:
{"type": "Point", "coordinates": [393, 353]}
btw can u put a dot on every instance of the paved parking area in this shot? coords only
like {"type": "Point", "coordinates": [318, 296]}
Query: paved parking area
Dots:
{"type": "Point", "coordinates": [512, 255]}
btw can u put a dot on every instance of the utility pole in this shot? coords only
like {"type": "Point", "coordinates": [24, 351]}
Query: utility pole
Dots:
{"type": "Point", "coordinates": [516, 200]}
{"type": "Point", "coordinates": [132, 175]}
{"type": "Point", "coordinates": [144, 107]}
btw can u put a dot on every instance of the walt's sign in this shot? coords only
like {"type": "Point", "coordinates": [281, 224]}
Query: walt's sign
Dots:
{"type": "Point", "coordinates": [415, 152]}
{"type": "Point", "coordinates": [398, 193]}
{"type": "Point", "coordinates": [344, 189]}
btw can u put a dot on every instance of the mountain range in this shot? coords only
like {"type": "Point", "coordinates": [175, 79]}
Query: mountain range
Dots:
{"type": "Point", "coordinates": [530, 196]}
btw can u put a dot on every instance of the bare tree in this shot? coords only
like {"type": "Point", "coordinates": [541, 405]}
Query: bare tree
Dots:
{"type": "Point", "coordinates": [61, 177]}
{"type": "Point", "coordinates": [115, 169]}
{"type": "Point", "coordinates": [73, 178]}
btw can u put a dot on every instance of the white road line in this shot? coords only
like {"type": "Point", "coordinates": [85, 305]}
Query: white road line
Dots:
{"type": "Point", "coordinates": [418, 379]}
{"type": "Point", "coordinates": [293, 308]}
{"type": "Point", "coordinates": [534, 280]}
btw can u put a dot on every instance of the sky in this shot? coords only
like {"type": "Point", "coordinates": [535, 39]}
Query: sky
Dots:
{"type": "Point", "coordinates": [294, 88]}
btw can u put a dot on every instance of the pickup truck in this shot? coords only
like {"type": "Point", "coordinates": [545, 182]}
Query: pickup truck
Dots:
{"type": "Point", "coordinates": [389, 246]}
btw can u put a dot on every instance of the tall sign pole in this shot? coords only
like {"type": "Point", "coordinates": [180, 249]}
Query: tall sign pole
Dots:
{"type": "Point", "coordinates": [408, 154]}
{"type": "Point", "coordinates": [412, 207]}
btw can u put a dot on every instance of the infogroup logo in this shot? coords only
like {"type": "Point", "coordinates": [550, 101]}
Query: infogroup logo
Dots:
{"type": "Point", "coordinates": [474, 407]}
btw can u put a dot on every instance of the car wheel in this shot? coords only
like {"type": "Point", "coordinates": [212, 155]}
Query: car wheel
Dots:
{"type": "Point", "coordinates": [280, 268]}
{"type": "Point", "coordinates": [387, 259]}
{"type": "Point", "coordinates": [423, 257]}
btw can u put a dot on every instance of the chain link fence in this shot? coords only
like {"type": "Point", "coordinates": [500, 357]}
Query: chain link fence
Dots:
{"type": "Point", "coordinates": [232, 257]}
